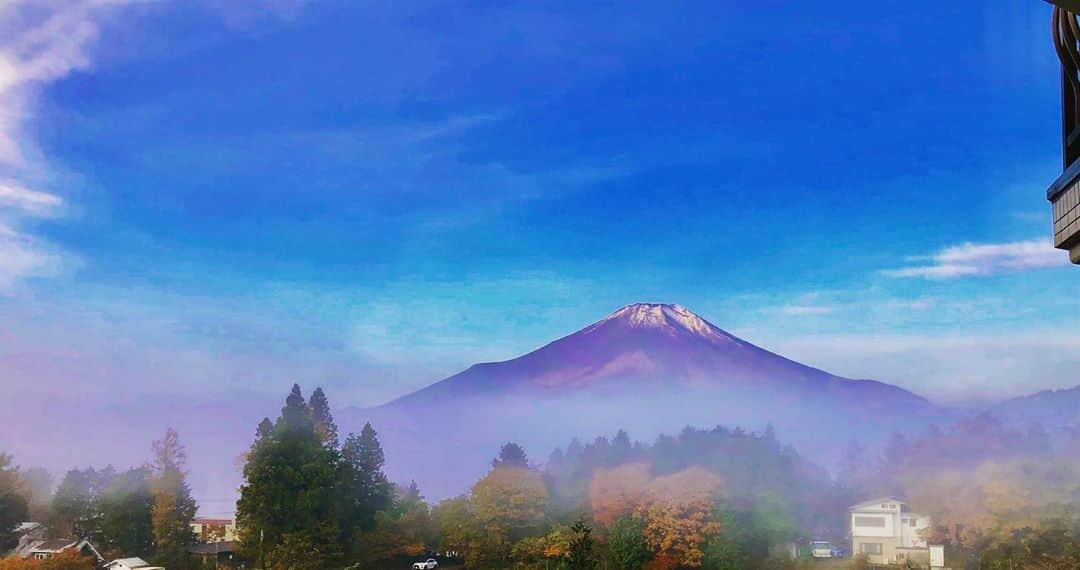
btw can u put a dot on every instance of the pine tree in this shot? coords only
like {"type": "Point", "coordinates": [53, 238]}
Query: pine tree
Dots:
{"type": "Point", "coordinates": [76, 508]}
{"type": "Point", "coordinates": [852, 466]}
{"type": "Point", "coordinates": [127, 514]}
{"type": "Point", "coordinates": [621, 448]}
{"type": "Point", "coordinates": [296, 415]}
{"type": "Point", "coordinates": [13, 504]}
{"type": "Point", "coordinates": [324, 420]}
{"type": "Point", "coordinates": [511, 455]}
{"type": "Point", "coordinates": [174, 507]}
{"type": "Point", "coordinates": [265, 430]}
{"type": "Point", "coordinates": [366, 487]}
{"type": "Point", "coordinates": [290, 494]}
{"type": "Point", "coordinates": [582, 555]}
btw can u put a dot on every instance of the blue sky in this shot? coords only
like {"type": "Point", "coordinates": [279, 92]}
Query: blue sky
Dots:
{"type": "Point", "coordinates": [371, 196]}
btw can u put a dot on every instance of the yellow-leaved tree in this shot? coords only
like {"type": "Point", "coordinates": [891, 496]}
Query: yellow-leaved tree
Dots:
{"type": "Point", "coordinates": [509, 504]}
{"type": "Point", "coordinates": [618, 491]}
{"type": "Point", "coordinates": [678, 513]}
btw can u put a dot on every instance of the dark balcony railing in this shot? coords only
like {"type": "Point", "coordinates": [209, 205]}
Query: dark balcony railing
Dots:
{"type": "Point", "coordinates": [1064, 193]}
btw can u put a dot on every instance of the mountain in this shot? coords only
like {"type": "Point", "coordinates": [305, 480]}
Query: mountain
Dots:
{"type": "Point", "coordinates": [650, 346]}
{"type": "Point", "coordinates": [648, 368]}
{"type": "Point", "coordinates": [1050, 408]}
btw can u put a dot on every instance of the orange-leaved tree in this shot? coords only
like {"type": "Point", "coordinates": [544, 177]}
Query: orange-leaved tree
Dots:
{"type": "Point", "coordinates": [618, 491]}
{"type": "Point", "coordinates": [678, 513]}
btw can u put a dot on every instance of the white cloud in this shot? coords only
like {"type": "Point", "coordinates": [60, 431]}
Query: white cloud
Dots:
{"type": "Point", "coordinates": [41, 41]}
{"type": "Point", "coordinates": [21, 258]}
{"type": "Point", "coordinates": [804, 310]}
{"type": "Point", "coordinates": [971, 259]}
{"type": "Point", "coordinates": [947, 367]}
{"type": "Point", "coordinates": [29, 202]}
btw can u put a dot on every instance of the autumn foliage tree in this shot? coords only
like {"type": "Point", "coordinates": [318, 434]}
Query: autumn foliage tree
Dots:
{"type": "Point", "coordinates": [617, 491]}
{"type": "Point", "coordinates": [173, 506]}
{"type": "Point", "coordinates": [679, 515]}
{"type": "Point", "coordinates": [68, 560]}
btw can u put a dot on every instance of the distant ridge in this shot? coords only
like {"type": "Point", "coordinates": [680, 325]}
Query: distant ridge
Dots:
{"type": "Point", "coordinates": [1049, 408]}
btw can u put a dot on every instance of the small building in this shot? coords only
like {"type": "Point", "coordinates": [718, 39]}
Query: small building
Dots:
{"type": "Point", "coordinates": [887, 532]}
{"type": "Point", "coordinates": [218, 554]}
{"type": "Point", "coordinates": [47, 548]}
{"type": "Point", "coordinates": [27, 534]}
{"type": "Point", "coordinates": [134, 563]}
{"type": "Point", "coordinates": [214, 529]}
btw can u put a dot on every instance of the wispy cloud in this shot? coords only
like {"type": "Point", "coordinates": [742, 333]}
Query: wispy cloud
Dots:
{"type": "Point", "coordinates": [804, 310]}
{"type": "Point", "coordinates": [29, 202]}
{"type": "Point", "coordinates": [970, 259]}
{"type": "Point", "coordinates": [40, 42]}
{"type": "Point", "coordinates": [22, 258]}
{"type": "Point", "coordinates": [947, 367]}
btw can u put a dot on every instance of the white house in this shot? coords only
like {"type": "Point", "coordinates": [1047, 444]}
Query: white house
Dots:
{"type": "Point", "coordinates": [214, 530]}
{"type": "Point", "coordinates": [131, 564]}
{"type": "Point", "coordinates": [887, 532]}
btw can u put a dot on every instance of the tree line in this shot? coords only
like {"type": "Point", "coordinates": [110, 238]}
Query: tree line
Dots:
{"type": "Point", "coordinates": [998, 496]}
{"type": "Point", "coordinates": [145, 511]}
{"type": "Point", "coordinates": [716, 499]}
{"type": "Point", "coordinates": [706, 498]}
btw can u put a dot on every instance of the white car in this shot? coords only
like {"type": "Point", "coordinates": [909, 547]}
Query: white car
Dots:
{"type": "Point", "coordinates": [821, 549]}
{"type": "Point", "coordinates": [428, 564]}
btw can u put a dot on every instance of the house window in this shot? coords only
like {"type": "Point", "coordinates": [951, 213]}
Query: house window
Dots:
{"type": "Point", "coordinates": [870, 548]}
{"type": "Point", "coordinates": [911, 523]}
{"type": "Point", "coordinates": [878, 522]}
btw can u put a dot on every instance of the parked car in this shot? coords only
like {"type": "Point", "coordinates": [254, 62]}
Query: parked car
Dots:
{"type": "Point", "coordinates": [429, 564]}
{"type": "Point", "coordinates": [821, 549]}
{"type": "Point", "coordinates": [839, 552]}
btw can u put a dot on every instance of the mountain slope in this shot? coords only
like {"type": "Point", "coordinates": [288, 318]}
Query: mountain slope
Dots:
{"type": "Point", "coordinates": [648, 346]}
{"type": "Point", "coordinates": [1050, 408]}
{"type": "Point", "coordinates": [647, 368]}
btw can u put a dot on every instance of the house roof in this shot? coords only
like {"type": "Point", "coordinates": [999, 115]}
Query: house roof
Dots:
{"type": "Point", "coordinates": [207, 520]}
{"type": "Point", "coordinates": [875, 502]}
{"type": "Point", "coordinates": [214, 547]}
{"type": "Point", "coordinates": [134, 562]}
{"type": "Point", "coordinates": [27, 526]}
{"type": "Point", "coordinates": [53, 545]}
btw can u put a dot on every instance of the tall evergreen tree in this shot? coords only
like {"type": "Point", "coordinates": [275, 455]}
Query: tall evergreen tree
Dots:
{"type": "Point", "coordinates": [127, 514]}
{"type": "Point", "coordinates": [582, 554]}
{"type": "Point", "coordinates": [39, 485]}
{"type": "Point", "coordinates": [622, 448]}
{"type": "Point", "coordinates": [13, 504]}
{"type": "Point", "coordinates": [511, 455]}
{"type": "Point", "coordinates": [852, 466]}
{"type": "Point", "coordinates": [265, 430]}
{"type": "Point", "coordinates": [76, 509]}
{"type": "Point", "coordinates": [365, 485]}
{"type": "Point", "coordinates": [290, 490]}
{"type": "Point", "coordinates": [296, 415]}
{"type": "Point", "coordinates": [173, 506]}
{"type": "Point", "coordinates": [324, 420]}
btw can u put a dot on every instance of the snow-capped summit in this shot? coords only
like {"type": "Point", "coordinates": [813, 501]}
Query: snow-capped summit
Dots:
{"type": "Point", "coordinates": [665, 317]}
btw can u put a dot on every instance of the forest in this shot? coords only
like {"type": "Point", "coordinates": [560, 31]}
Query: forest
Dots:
{"type": "Point", "coordinates": [719, 498]}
